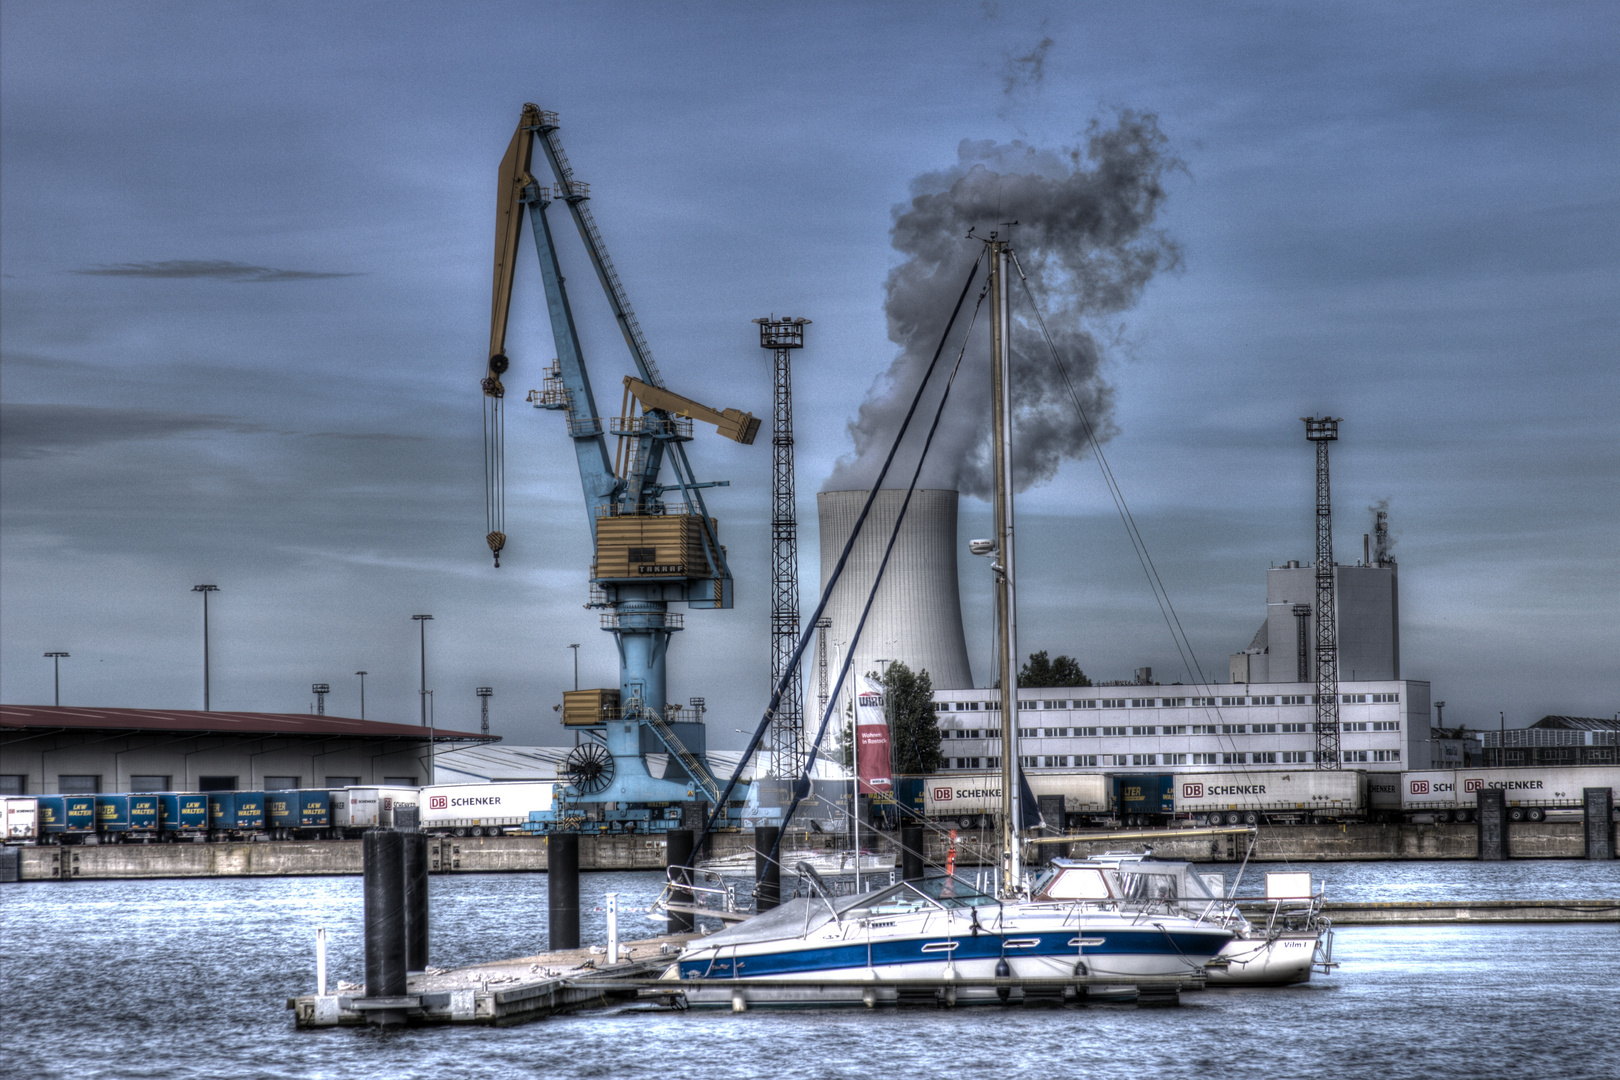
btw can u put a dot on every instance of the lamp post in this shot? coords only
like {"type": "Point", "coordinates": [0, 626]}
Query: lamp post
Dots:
{"type": "Point", "coordinates": [205, 590]}
{"type": "Point", "coordinates": [362, 675]}
{"type": "Point", "coordinates": [422, 621]}
{"type": "Point", "coordinates": [433, 765]}
{"type": "Point", "coordinates": [56, 661]}
{"type": "Point", "coordinates": [576, 665]}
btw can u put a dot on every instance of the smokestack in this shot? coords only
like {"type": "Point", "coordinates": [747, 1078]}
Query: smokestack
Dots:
{"type": "Point", "coordinates": [917, 616]}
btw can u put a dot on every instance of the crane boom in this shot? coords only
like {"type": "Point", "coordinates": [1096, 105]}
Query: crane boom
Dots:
{"type": "Point", "coordinates": [733, 424]}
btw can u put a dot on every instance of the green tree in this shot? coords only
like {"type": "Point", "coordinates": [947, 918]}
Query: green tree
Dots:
{"type": "Point", "coordinates": [1044, 671]}
{"type": "Point", "coordinates": [913, 724]}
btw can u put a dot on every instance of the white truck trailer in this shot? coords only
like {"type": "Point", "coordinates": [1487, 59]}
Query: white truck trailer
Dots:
{"type": "Point", "coordinates": [970, 799]}
{"type": "Point", "coordinates": [355, 809]}
{"type": "Point", "coordinates": [19, 818]}
{"type": "Point", "coordinates": [482, 809]}
{"type": "Point", "coordinates": [1530, 792]}
{"type": "Point", "coordinates": [1277, 796]}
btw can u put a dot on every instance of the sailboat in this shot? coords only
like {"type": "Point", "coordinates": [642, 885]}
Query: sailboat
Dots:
{"type": "Point", "coordinates": [1072, 931]}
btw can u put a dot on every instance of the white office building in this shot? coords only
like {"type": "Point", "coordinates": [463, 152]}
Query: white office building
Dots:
{"type": "Point", "coordinates": [1383, 724]}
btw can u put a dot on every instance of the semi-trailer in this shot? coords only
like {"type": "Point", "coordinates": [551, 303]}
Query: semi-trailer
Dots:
{"type": "Point", "coordinates": [1531, 794]}
{"type": "Point", "coordinates": [483, 809]}
{"type": "Point", "coordinates": [19, 819]}
{"type": "Point", "coordinates": [300, 812]}
{"type": "Point", "coordinates": [121, 816]}
{"type": "Point", "coordinates": [66, 818]}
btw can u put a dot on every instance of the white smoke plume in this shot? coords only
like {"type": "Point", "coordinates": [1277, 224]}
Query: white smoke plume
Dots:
{"type": "Point", "coordinates": [1085, 235]}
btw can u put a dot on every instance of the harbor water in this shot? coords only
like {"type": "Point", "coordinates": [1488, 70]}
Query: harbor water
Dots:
{"type": "Point", "coordinates": [176, 979]}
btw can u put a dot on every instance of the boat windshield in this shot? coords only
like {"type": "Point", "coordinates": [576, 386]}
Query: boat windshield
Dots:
{"type": "Point", "coordinates": [952, 892]}
{"type": "Point", "coordinates": [910, 896]}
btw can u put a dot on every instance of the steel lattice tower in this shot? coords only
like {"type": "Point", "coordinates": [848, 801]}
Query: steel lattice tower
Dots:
{"type": "Point", "coordinates": [822, 626]}
{"type": "Point", "coordinates": [1322, 430]}
{"type": "Point", "coordinates": [782, 336]}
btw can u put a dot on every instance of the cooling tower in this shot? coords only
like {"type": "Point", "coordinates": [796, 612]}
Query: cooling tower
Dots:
{"type": "Point", "coordinates": [917, 616]}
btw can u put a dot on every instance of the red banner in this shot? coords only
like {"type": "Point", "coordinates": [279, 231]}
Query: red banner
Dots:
{"type": "Point", "coordinates": [872, 743]}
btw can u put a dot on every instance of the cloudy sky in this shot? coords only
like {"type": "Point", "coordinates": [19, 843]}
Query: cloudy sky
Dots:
{"type": "Point", "coordinates": [246, 266]}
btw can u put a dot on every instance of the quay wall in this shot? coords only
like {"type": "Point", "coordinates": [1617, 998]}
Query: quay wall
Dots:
{"type": "Point", "coordinates": [516, 854]}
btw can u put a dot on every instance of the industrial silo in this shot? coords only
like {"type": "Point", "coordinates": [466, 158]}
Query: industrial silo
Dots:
{"type": "Point", "coordinates": [917, 617]}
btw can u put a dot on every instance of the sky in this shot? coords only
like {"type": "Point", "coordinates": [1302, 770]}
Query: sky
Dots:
{"type": "Point", "coordinates": [243, 314]}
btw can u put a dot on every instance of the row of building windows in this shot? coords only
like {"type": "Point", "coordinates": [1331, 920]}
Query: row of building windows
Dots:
{"type": "Point", "coordinates": [1095, 761]}
{"type": "Point", "coordinates": [1163, 703]}
{"type": "Point", "coordinates": [1165, 729]}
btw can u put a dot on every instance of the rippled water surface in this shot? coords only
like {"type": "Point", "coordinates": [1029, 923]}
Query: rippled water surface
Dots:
{"type": "Point", "coordinates": [178, 979]}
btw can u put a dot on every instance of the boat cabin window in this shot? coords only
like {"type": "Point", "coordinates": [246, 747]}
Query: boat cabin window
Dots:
{"type": "Point", "coordinates": [1076, 883]}
{"type": "Point", "coordinates": [1142, 883]}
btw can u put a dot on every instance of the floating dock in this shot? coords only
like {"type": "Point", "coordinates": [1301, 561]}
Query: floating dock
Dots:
{"type": "Point", "coordinates": [505, 991]}
{"type": "Point", "coordinates": [532, 987]}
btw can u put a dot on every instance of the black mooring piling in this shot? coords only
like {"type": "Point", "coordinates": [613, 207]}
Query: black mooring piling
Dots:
{"type": "Point", "coordinates": [562, 889]}
{"type": "Point", "coordinates": [1493, 824]}
{"type": "Point", "coordinates": [767, 871]}
{"type": "Point", "coordinates": [383, 852]}
{"type": "Point", "coordinates": [911, 851]}
{"type": "Point", "coordinates": [416, 901]}
{"type": "Point", "coordinates": [678, 858]}
{"type": "Point", "coordinates": [1599, 805]}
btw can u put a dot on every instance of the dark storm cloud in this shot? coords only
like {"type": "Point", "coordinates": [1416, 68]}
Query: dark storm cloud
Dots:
{"type": "Point", "coordinates": [1085, 234]}
{"type": "Point", "coordinates": [28, 431]}
{"type": "Point", "coordinates": [217, 269]}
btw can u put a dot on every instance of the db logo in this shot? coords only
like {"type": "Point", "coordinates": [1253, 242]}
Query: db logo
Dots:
{"type": "Point", "coordinates": [942, 794]}
{"type": "Point", "coordinates": [1192, 791]}
{"type": "Point", "coordinates": [438, 802]}
{"type": "Point", "coordinates": [1420, 787]}
{"type": "Point", "coordinates": [1473, 785]}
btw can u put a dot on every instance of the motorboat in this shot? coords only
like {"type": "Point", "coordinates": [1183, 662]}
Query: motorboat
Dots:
{"type": "Point", "coordinates": [939, 937]}
{"type": "Point", "coordinates": [1294, 940]}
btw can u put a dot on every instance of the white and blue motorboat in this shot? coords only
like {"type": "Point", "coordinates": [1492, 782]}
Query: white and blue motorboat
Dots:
{"type": "Point", "coordinates": [1072, 934]}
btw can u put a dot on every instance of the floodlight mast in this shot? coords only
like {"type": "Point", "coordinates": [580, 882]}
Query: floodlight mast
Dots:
{"type": "Point", "coordinates": [1322, 430]}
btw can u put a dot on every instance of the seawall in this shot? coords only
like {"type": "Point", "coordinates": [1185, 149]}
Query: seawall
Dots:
{"type": "Point", "coordinates": [519, 854]}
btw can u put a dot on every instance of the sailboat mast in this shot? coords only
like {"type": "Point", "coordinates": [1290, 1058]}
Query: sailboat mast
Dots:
{"type": "Point", "coordinates": [1006, 600]}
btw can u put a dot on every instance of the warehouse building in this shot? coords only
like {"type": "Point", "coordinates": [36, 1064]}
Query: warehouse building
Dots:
{"type": "Point", "coordinates": [46, 750]}
{"type": "Point", "coordinates": [1107, 728]}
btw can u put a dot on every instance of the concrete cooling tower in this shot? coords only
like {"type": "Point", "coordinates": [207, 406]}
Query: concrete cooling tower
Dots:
{"type": "Point", "coordinates": [917, 616]}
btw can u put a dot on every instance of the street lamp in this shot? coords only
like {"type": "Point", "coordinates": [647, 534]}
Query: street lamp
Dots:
{"type": "Point", "coordinates": [320, 690]}
{"type": "Point", "coordinates": [483, 693]}
{"type": "Point", "coordinates": [422, 621]}
{"type": "Point", "coordinates": [362, 675]}
{"type": "Point", "coordinates": [205, 590]}
{"type": "Point", "coordinates": [56, 662]}
{"type": "Point", "coordinates": [576, 665]}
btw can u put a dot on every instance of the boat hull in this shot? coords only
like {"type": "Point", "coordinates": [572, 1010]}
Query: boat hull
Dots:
{"type": "Point", "coordinates": [1279, 961]}
{"type": "Point", "coordinates": [953, 971]}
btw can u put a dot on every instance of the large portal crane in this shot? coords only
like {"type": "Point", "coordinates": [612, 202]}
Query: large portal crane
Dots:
{"type": "Point", "coordinates": [649, 551]}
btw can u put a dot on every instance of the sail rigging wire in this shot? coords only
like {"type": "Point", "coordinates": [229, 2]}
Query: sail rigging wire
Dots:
{"type": "Point", "coordinates": [843, 559]}
{"type": "Point", "coordinates": [1167, 609]}
{"type": "Point", "coordinates": [803, 785]}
